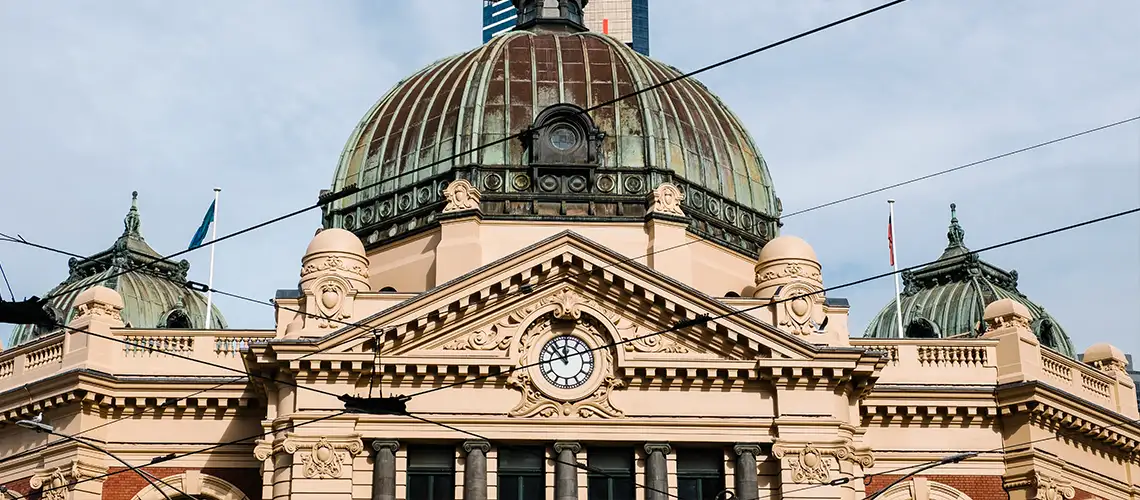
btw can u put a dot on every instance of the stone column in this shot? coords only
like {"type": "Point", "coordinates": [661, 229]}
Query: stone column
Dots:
{"type": "Point", "coordinates": [475, 470]}
{"type": "Point", "coordinates": [384, 470]}
{"type": "Point", "coordinates": [657, 471]}
{"type": "Point", "coordinates": [744, 482]}
{"type": "Point", "coordinates": [565, 472]}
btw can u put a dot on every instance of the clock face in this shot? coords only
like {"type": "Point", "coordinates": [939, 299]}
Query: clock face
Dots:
{"type": "Point", "coordinates": [567, 362]}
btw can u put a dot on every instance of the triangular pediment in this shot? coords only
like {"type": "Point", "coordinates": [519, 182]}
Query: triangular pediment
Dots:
{"type": "Point", "coordinates": [481, 315]}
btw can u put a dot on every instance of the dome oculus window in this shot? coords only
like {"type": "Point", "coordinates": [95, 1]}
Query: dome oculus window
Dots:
{"type": "Point", "coordinates": [563, 137]}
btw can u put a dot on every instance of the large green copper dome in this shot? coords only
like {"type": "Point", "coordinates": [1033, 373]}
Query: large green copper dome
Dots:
{"type": "Point", "coordinates": [154, 297]}
{"type": "Point", "coordinates": [947, 298]}
{"type": "Point", "coordinates": [451, 120]}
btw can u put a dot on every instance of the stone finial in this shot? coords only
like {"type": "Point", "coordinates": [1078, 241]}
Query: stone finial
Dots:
{"type": "Point", "coordinates": [99, 302]}
{"type": "Point", "coordinates": [333, 270]}
{"type": "Point", "coordinates": [666, 199]}
{"type": "Point", "coordinates": [789, 275]}
{"type": "Point", "coordinates": [1007, 313]}
{"type": "Point", "coordinates": [1107, 358]}
{"type": "Point", "coordinates": [461, 195]}
{"type": "Point", "coordinates": [132, 223]}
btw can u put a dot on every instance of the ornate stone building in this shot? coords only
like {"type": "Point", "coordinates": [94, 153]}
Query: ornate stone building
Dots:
{"type": "Point", "coordinates": [599, 308]}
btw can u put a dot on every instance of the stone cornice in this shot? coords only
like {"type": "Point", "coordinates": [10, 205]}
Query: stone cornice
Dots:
{"type": "Point", "coordinates": [498, 279]}
{"type": "Point", "coordinates": [1060, 410]}
{"type": "Point", "coordinates": [102, 390]}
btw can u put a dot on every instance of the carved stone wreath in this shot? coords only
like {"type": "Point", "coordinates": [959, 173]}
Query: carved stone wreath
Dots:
{"type": "Point", "coordinates": [535, 402]}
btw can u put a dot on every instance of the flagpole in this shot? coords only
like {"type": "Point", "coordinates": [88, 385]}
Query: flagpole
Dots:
{"type": "Point", "coordinates": [210, 282]}
{"type": "Point", "coordinates": [895, 264]}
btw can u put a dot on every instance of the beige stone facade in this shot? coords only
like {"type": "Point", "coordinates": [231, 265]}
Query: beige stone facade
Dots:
{"type": "Point", "coordinates": [597, 308]}
{"type": "Point", "coordinates": [780, 389]}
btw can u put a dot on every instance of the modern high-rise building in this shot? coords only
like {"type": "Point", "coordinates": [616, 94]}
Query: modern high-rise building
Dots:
{"type": "Point", "coordinates": [626, 20]}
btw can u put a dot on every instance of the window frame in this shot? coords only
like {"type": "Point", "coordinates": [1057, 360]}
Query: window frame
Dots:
{"type": "Point", "coordinates": [433, 472]}
{"type": "Point", "coordinates": [611, 474]}
{"type": "Point", "coordinates": [519, 473]}
{"type": "Point", "coordinates": [702, 474]}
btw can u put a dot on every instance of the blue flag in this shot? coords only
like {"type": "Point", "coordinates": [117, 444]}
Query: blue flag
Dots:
{"type": "Point", "coordinates": [200, 235]}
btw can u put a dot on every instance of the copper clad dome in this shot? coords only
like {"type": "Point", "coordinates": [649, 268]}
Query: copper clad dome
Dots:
{"type": "Point", "coordinates": [529, 79]}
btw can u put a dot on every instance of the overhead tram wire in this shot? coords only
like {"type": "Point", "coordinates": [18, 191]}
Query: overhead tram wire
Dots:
{"type": "Point", "coordinates": [176, 456]}
{"type": "Point", "coordinates": [202, 287]}
{"type": "Point", "coordinates": [327, 199]}
{"type": "Point", "coordinates": [702, 319]}
{"type": "Point", "coordinates": [739, 311]}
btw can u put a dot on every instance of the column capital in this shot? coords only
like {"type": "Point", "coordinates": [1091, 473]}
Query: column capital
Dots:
{"type": "Point", "coordinates": [742, 448]}
{"type": "Point", "coordinates": [385, 444]}
{"type": "Point", "coordinates": [664, 448]}
{"type": "Point", "coordinates": [567, 445]}
{"type": "Point", "coordinates": [476, 444]}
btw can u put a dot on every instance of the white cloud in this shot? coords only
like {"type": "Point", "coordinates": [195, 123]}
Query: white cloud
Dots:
{"type": "Point", "coordinates": [258, 97]}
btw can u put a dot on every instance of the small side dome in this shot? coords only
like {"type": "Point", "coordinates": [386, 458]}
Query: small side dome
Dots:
{"type": "Point", "coordinates": [787, 247]}
{"type": "Point", "coordinates": [335, 240]}
{"type": "Point", "coordinates": [100, 294]}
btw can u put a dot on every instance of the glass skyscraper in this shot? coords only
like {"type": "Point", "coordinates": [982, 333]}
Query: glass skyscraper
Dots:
{"type": "Point", "coordinates": [626, 20]}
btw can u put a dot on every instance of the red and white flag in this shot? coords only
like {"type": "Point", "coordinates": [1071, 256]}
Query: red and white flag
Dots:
{"type": "Point", "coordinates": [891, 237]}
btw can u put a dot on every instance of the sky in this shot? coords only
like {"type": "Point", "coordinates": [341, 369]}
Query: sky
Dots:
{"type": "Point", "coordinates": [259, 97]}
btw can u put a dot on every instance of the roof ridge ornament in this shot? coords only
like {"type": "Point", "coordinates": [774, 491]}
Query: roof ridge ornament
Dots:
{"type": "Point", "coordinates": [564, 15]}
{"type": "Point", "coordinates": [132, 222]}
{"type": "Point", "coordinates": [955, 235]}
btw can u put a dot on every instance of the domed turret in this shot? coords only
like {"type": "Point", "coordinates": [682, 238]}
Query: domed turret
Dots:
{"type": "Point", "coordinates": [153, 297]}
{"type": "Point", "coordinates": [948, 298]}
{"type": "Point", "coordinates": [579, 156]}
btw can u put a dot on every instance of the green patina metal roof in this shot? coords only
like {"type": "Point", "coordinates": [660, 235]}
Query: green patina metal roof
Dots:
{"type": "Point", "coordinates": [153, 297]}
{"type": "Point", "coordinates": [947, 298]}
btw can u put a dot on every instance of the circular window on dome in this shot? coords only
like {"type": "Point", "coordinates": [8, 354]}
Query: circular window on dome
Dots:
{"type": "Point", "coordinates": [563, 137]}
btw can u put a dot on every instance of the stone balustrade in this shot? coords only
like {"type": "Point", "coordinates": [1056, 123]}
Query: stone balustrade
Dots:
{"type": "Point", "coordinates": [140, 352]}
{"type": "Point", "coordinates": [964, 361]}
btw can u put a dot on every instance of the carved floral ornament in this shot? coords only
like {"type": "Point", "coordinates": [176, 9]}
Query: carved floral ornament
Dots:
{"type": "Point", "coordinates": [333, 301]}
{"type": "Point", "coordinates": [461, 195]}
{"type": "Point", "coordinates": [798, 309]}
{"type": "Point", "coordinates": [321, 457]}
{"type": "Point", "coordinates": [568, 304]}
{"type": "Point", "coordinates": [1050, 488]}
{"type": "Point", "coordinates": [56, 482]}
{"type": "Point", "coordinates": [98, 309]}
{"type": "Point", "coordinates": [335, 263]}
{"type": "Point", "coordinates": [666, 199]}
{"type": "Point", "coordinates": [810, 464]}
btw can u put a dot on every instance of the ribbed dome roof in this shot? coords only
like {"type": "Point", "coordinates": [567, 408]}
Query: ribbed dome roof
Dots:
{"type": "Point", "coordinates": [947, 298]}
{"type": "Point", "coordinates": [154, 297]}
{"type": "Point", "coordinates": [679, 133]}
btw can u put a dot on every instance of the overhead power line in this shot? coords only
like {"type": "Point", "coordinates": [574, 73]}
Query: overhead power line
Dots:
{"type": "Point", "coordinates": [703, 319]}
{"type": "Point", "coordinates": [201, 287]}
{"type": "Point", "coordinates": [676, 327]}
{"type": "Point", "coordinates": [350, 191]}
{"type": "Point", "coordinates": [176, 456]}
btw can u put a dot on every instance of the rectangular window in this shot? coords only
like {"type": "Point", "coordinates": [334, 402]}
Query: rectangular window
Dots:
{"type": "Point", "coordinates": [522, 473]}
{"type": "Point", "coordinates": [611, 473]}
{"type": "Point", "coordinates": [700, 473]}
{"type": "Point", "coordinates": [431, 473]}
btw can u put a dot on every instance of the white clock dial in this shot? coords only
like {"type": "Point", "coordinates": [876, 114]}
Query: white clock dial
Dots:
{"type": "Point", "coordinates": [567, 362]}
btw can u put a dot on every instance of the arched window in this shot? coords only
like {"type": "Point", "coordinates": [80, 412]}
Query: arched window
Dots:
{"type": "Point", "coordinates": [563, 134]}
{"type": "Point", "coordinates": [387, 289]}
{"type": "Point", "coordinates": [176, 319]}
{"type": "Point", "coordinates": [921, 328]}
{"type": "Point", "coordinates": [193, 482]}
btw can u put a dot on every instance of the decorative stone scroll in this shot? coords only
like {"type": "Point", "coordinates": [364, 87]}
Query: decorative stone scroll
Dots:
{"type": "Point", "coordinates": [1051, 488]}
{"type": "Point", "coordinates": [55, 483]}
{"type": "Point", "coordinates": [335, 263]}
{"type": "Point", "coordinates": [461, 195]}
{"type": "Point", "coordinates": [811, 464]}
{"type": "Point", "coordinates": [321, 457]}
{"type": "Point", "coordinates": [666, 199]}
